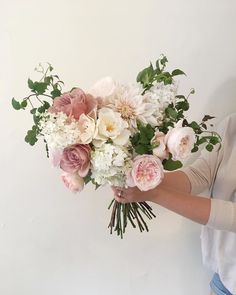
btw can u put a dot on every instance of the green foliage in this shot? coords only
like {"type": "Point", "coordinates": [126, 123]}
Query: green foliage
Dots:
{"type": "Point", "coordinates": [150, 74]}
{"type": "Point", "coordinates": [87, 178]}
{"type": "Point", "coordinates": [203, 136]}
{"type": "Point", "coordinates": [171, 165]}
{"type": "Point", "coordinates": [32, 134]}
{"type": "Point", "coordinates": [19, 105]}
{"type": "Point", "coordinates": [209, 147]}
{"type": "Point", "coordinates": [16, 104]}
{"type": "Point", "coordinates": [49, 87]}
{"type": "Point", "coordinates": [141, 141]}
{"type": "Point", "coordinates": [177, 72]}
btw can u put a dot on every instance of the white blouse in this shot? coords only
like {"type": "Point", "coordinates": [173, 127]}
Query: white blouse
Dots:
{"type": "Point", "coordinates": [216, 171]}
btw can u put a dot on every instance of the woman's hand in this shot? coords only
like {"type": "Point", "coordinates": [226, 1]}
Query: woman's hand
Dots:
{"type": "Point", "coordinates": [132, 194]}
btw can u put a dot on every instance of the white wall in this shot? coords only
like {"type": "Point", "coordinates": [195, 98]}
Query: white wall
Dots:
{"type": "Point", "coordinates": [52, 242]}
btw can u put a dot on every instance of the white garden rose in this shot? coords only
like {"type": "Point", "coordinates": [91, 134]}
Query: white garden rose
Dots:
{"type": "Point", "coordinates": [180, 141]}
{"type": "Point", "coordinates": [110, 125]}
{"type": "Point", "coordinates": [160, 148]}
{"type": "Point", "coordinates": [86, 128]}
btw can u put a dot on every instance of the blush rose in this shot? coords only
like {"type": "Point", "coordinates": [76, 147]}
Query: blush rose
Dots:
{"type": "Point", "coordinates": [146, 173]}
{"type": "Point", "coordinates": [76, 159]}
{"type": "Point", "coordinates": [74, 104]}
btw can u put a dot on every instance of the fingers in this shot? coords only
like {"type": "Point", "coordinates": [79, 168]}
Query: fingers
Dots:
{"type": "Point", "coordinates": [119, 195]}
{"type": "Point", "coordinates": [121, 200]}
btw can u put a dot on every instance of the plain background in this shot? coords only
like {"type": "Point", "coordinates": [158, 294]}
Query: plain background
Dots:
{"type": "Point", "coordinates": [54, 242]}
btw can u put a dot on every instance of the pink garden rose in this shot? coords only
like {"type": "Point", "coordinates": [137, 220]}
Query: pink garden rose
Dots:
{"type": "Point", "coordinates": [160, 149]}
{"type": "Point", "coordinates": [74, 104]}
{"type": "Point", "coordinates": [146, 173]}
{"type": "Point", "coordinates": [73, 182]}
{"type": "Point", "coordinates": [180, 141]}
{"type": "Point", "coordinates": [76, 159]}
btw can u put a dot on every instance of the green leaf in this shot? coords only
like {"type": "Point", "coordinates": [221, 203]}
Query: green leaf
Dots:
{"type": "Point", "coordinates": [171, 165]}
{"type": "Point", "coordinates": [207, 117]}
{"type": "Point", "coordinates": [55, 93]}
{"type": "Point", "coordinates": [141, 149]}
{"type": "Point", "coordinates": [24, 104]}
{"type": "Point", "coordinates": [182, 105]}
{"type": "Point", "coordinates": [164, 60]}
{"type": "Point", "coordinates": [40, 87]}
{"type": "Point", "coordinates": [30, 84]}
{"type": "Point", "coordinates": [31, 136]}
{"type": "Point", "coordinates": [194, 125]}
{"type": "Point", "coordinates": [168, 80]}
{"type": "Point", "coordinates": [177, 72]}
{"type": "Point", "coordinates": [48, 80]}
{"type": "Point", "coordinates": [50, 68]}
{"type": "Point", "coordinates": [135, 138]}
{"type": "Point", "coordinates": [146, 76]}
{"type": "Point", "coordinates": [201, 140]}
{"type": "Point", "coordinates": [16, 104]}
{"type": "Point", "coordinates": [87, 178]}
{"type": "Point", "coordinates": [46, 105]}
{"type": "Point", "coordinates": [214, 140]}
{"type": "Point", "coordinates": [209, 147]}
{"type": "Point", "coordinates": [195, 149]}
{"type": "Point", "coordinates": [36, 119]}
{"type": "Point", "coordinates": [158, 70]}
{"type": "Point", "coordinates": [181, 97]}
{"type": "Point", "coordinates": [204, 126]}
{"type": "Point", "coordinates": [33, 111]}
{"type": "Point", "coordinates": [171, 112]}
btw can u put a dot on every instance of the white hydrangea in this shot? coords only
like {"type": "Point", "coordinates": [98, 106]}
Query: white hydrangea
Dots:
{"type": "Point", "coordinates": [160, 96]}
{"type": "Point", "coordinates": [109, 165]}
{"type": "Point", "coordinates": [58, 130]}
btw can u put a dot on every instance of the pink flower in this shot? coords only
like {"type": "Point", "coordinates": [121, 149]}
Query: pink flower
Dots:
{"type": "Point", "coordinates": [55, 156]}
{"type": "Point", "coordinates": [146, 173]}
{"type": "Point", "coordinates": [76, 159]}
{"type": "Point", "coordinates": [160, 149]}
{"type": "Point", "coordinates": [73, 182]}
{"type": "Point", "coordinates": [74, 104]}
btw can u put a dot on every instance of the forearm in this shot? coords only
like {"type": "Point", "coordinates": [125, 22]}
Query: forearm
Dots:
{"type": "Point", "coordinates": [192, 207]}
{"type": "Point", "coordinates": [177, 180]}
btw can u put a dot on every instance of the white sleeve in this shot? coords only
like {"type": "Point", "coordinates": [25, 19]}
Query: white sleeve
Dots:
{"type": "Point", "coordinates": [222, 215]}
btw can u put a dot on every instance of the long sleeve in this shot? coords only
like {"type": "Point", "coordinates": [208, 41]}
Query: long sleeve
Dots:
{"type": "Point", "coordinates": [215, 171]}
{"type": "Point", "coordinates": [222, 215]}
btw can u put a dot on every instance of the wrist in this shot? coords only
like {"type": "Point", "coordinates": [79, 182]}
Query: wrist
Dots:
{"type": "Point", "coordinates": [154, 194]}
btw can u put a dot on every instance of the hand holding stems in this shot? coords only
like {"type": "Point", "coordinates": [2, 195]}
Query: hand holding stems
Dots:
{"type": "Point", "coordinates": [173, 193]}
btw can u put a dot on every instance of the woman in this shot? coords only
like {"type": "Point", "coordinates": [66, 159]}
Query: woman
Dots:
{"type": "Point", "coordinates": [215, 171]}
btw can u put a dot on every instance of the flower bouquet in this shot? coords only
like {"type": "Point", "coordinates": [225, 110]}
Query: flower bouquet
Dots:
{"type": "Point", "coordinates": [115, 133]}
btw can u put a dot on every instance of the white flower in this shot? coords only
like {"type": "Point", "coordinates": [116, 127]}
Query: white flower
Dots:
{"type": "Point", "coordinates": [180, 141]}
{"type": "Point", "coordinates": [109, 164]}
{"type": "Point", "coordinates": [125, 99]}
{"type": "Point", "coordinates": [160, 96]}
{"type": "Point", "coordinates": [59, 131]}
{"type": "Point", "coordinates": [110, 125]}
{"type": "Point", "coordinates": [104, 87]}
{"type": "Point", "coordinates": [87, 129]}
{"type": "Point", "coordinates": [130, 104]}
{"type": "Point", "coordinates": [104, 90]}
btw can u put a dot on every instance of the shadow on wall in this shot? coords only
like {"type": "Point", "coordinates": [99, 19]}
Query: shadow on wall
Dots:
{"type": "Point", "coordinates": [222, 102]}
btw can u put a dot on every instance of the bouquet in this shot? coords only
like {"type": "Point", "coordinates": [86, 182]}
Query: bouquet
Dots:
{"type": "Point", "coordinates": [116, 133]}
